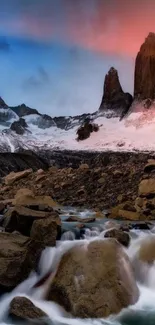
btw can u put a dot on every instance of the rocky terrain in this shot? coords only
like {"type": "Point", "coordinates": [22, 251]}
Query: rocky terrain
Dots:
{"type": "Point", "coordinates": [97, 181]}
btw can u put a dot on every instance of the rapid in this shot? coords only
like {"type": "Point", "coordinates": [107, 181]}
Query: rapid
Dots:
{"type": "Point", "coordinates": [143, 312]}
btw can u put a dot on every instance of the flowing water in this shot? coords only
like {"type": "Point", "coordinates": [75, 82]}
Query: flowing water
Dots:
{"type": "Point", "coordinates": [143, 312]}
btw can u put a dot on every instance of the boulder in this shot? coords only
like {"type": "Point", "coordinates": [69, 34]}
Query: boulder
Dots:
{"type": "Point", "coordinates": [13, 177]}
{"type": "Point", "coordinates": [144, 85]}
{"type": "Point", "coordinates": [121, 236]}
{"type": "Point", "coordinates": [19, 255]}
{"type": "Point", "coordinates": [120, 212]}
{"type": "Point", "coordinates": [114, 97]}
{"type": "Point", "coordinates": [47, 230]}
{"type": "Point", "coordinates": [21, 219]}
{"type": "Point", "coordinates": [26, 197]}
{"type": "Point", "coordinates": [146, 252]}
{"type": "Point", "coordinates": [147, 187]}
{"type": "Point", "coordinates": [21, 308]}
{"type": "Point", "coordinates": [94, 280]}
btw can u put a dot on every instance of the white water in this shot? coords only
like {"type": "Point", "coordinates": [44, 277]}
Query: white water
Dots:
{"type": "Point", "coordinates": [50, 260]}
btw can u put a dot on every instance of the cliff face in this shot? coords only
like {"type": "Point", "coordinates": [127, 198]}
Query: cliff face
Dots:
{"type": "Point", "coordinates": [114, 97]}
{"type": "Point", "coordinates": [144, 85]}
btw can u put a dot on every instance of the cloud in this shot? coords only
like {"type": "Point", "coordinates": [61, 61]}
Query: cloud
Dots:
{"type": "Point", "coordinates": [39, 79]}
{"type": "Point", "coordinates": [113, 26]}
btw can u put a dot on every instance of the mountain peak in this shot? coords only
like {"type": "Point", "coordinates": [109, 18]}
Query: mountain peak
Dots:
{"type": "Point", "coordinates": [144, 87]}
{"type": "Point", "coordinates": [114, 98]}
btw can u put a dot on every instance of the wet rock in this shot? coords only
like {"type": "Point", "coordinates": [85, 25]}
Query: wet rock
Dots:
{"type": "Point", "coordinates": [147, 187]}
{"type": "Point", "coordinates": [146, 252]}
{"type": "Point", "coordinates": [13, 177]}
{"type": "Point", "coordinates": [18, 256]}
{"type": "Point", "coordinates": [111, 224]}
{"type": "Point", "coordinates": [141, 226]}
{"type": "Point", "coordinates": [78, 219]}
{"type": "Point", "coordinates": [121, 236]}
{"type": "Point", "coordinates": [144, 87]}
{"type": "Point", "coordinates": [100, 273]}
{"type": "Point", "coordinates": [21, 308]}
{"type": "Point", "coordinates": [114, 98]}
{"type": "Point", "coordinates": [47, 230]}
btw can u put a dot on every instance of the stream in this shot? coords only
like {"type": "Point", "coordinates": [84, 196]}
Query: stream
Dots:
{"type": "Point", "coordinates": [143, 312]}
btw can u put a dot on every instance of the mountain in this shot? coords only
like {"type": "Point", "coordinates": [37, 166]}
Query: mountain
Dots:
{"type": "Point", "coordinates": [124, 122]}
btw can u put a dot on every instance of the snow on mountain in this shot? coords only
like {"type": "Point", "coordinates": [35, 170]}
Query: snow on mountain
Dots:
{"type": "Point", "coordinates": [135, 132]}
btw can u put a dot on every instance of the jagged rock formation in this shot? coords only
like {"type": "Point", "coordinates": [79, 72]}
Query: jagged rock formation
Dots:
{"type": "Point", "coordinates": [23, 110]}
{"type": "Point", "coordinates": [144, 85]}
{"type": "Point", "coordinates": [19, 126]}
{"type": "Point", "coordinates": [114, 97]}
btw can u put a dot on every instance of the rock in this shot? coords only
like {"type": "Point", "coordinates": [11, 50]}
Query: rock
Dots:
{"type": "Point", "coordinates": [117, 173]}
{"type": "Point", "coordinates": [78, 219]}
{"type": "Point", "coordinates": [144, 86]}
{"type": "Point", "coordinates": [84, 167]}
{"type": "Point", "coordinates": [18, 256]}
{"type": "Point", "coordinates": [19, 126]}
{"type": "Point", "coordinates": [139, 203]}
{"type": "Point", "coordinates": [141, 226]}
{"type": "Point", "coordinates": [129, 215]}
{"type": "Point", "coordinates": [111, 224]}
{"type": "Point", "coordinates": [128, 206]}
{"type": "Point", "coordinates": [21, 219]}
{"type": "Point", "coordinates": [121, 236]}
{"type": "Point", "coordinates": [108, 281]}
{"type": "Point", "coordinates": [21, 308]}
{"type": "Point", "coordinates": [114, 98]}
{"type": "Point", "coordinates": [146, 252]}
{"type": "Point", "coordinates": [86, 129]}
{"type": "Point", "coordinates": [147, 187]}
{"type": "Point", "coordinates": [101, 180]}
{"type": "Point", "coordinates": [149, 166]}
{"type": "Point", "coordinates": [26, 197]}
{"type": "Point", "coordinates": [13, 177]}
{"type": "Point", "coordinates": [47, 230]}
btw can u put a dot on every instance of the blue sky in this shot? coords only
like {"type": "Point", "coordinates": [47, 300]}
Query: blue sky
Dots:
{"type": "Point", "coordinates": [54, 54]}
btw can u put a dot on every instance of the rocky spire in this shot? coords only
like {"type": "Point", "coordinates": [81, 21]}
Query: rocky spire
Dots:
{"type": "Point", "coordinates": [114, 97]}
{"type": "Point", "coordinates": [144, 84]}
{"type": "Point", "coordinates": [112, 86]}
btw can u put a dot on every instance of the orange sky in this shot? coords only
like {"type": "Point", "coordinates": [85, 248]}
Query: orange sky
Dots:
{"type": "Point", "coordinates": [115, 26]}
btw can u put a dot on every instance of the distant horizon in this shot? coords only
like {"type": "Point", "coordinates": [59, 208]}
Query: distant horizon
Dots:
{"type": "Point", "coordinates": [54, 54]}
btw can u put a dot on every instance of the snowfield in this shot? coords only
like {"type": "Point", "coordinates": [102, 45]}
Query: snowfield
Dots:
{"type": "Point", "coordinates": [136, 132]}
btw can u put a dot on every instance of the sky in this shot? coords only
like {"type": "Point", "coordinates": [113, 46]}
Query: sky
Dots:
{"type": "Point", "coordinates": [54, 54]}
